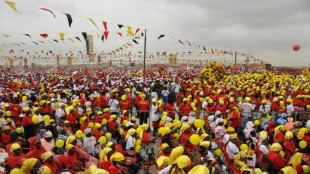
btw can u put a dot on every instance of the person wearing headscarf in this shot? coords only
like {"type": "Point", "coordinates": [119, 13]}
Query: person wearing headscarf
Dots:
{"type": "Point", "coordinates": [62, 134]}
{"type": "Point", "coordinates": [105, 155]}
{"type": "Point", "coordinates": [262, 150]}
{"type": "Point", "coordinates": [241, 161]}
{"type": "Point", "coordinates": [232, 146]}
{"type": "Point", "coordinates": [131, 139]}
{"type": "Point", "coordinates": [72, 160]}
{"type": "Point", "coordinates": [31, 165]}
{"type": "Point", "coordinates": [49, 161]}
{"type": "Point", "coordinates": [302, 135]}
{"type": "Point", "coordinates": [275, 158]}
{"type": "Point", "coordinates": [289, 145]}
{"type": "Point", "coordinates": [89, 142]}
{"type": "Point", "coordinates": [164, 150]}
{"type": "Point", "coordinates": [47, 141]}
{"type": "Point", "coordinates": [219, 129]}
{"type": "Point", "coordinates": [81, 152]}
{"type": "Point", "coordinates": [282, 120]}
{"type": "Point", "coordinates": [37, 151]}
{"type": "Point", "coordinates": [249, 128]}
{"type": "Point", "coordinates": [162, 162]}
{"type": "Point", "coordinates": [181, 165]}
{"type": "Point", "coordinates": [117, 166]}
{"type": "Point", "coordinates": [279, 134]}
{"type": "Point", "coordinates": [83, 123]}
{"type": "Point", "coordinates": [185, 133]}
{"type": "Point", "coordinates": [16, 157]}
{"type": "Point", "coordinates": [144, 107]}
{"type": "Point", "coordinates": [296, 162]}
{"type": "Point", "coordinates": [290, 124]}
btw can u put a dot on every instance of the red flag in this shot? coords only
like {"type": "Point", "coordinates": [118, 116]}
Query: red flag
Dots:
{"type": "Point", "coordinates": [164, 54]}
{"type": "Point", "coordinates": [48, 11]}
{"type": "Point", "coordinates": [106, 33]}
{"type": "Point", "coordinates": [181, 41]}
{"type": "Point", "coordinates": [120, 34]}
{"type": "Point", "coordinates": [11, 51]}
{"type": "Point", "coordinates": [137, 31]}
{"type": "Point", "coordinates": [41, 41]}
{"type": "Point", "coordinates": [105, 25]}
{"type": "Point", "coordinates": [212, 51]}
{"type": "Point", "coordinates": [44, 35]}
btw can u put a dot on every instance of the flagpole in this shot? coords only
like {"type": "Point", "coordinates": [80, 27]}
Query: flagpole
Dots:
{"type": "Point", "coordinates": [144, 59]}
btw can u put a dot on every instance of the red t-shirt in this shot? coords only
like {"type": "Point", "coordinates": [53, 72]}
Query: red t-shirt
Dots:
{"type": "Point", "coordinates": [71, 160]}
{"type": "Point", "coordinates": [71, 119]}
{"type": "Point", "coordinates": [125, 105]}
{"type": "Point", "coordinates": [170, 108]}
{"type": "Point", "coordinates": [13, 160]}
{"type": "Point", "coordinates": [27, 120]}
{"type": "Point", "coordinates": [143, 106]}
{"type": "Point", "coordinates": [145, 138]}
{"type": "Point", "coordinates": [5, 139]}
{"type": "Point", "coordinates": [276, 159]}
{"type": "Point", "coordinates": [106, 164]}
{"type": "Point", "coordinates": [35, 153]}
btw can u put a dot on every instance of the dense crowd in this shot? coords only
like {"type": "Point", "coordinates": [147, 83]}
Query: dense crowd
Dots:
{"type": "Point", "coordinates": [115, 120]}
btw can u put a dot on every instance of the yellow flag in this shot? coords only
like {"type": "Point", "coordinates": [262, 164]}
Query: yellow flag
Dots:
{"type": "Point", "coordinates": [71, 40]}
{"type": "Point", "coordinates": [49, 41]}
{"type": "Point", "coordinates": [129, 32]}
{"type": "Point", "coordinates": [1, 50]}
{"type": "Point", "coordinates": [92, 22]}
{"type": "Point", "coordinates": [173, 38]}
{"type": "Point", "coordinates": [12, 44]}
{"type": "Point", "coordinates": [62, 36]}
{"type": "Point", "coordinates": [6, 35]}
{"type": "Point", "coordinates": [125, 46]}
{"type": "Point", "coordinates": [195, 45]}
{"type": "Point", "coordinates": [12, 5]}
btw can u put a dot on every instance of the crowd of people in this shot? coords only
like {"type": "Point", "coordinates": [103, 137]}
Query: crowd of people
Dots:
{"type": "Point", "coordinates": [113, 120]}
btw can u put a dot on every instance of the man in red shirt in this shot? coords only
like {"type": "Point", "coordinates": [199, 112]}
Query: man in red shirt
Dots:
{"type": "Point", "coordinates": [144, 107]}
{"type": "Point", "coordinates": [125, 103]}
{"type": "Point", "coordinates": [6, 135]}
{"type": "Point", "coordinates": [274, 156]}
{"type": "Point", "coordinates": [170, 108]}
{"type": "Point", "coordinates": [44, 110]}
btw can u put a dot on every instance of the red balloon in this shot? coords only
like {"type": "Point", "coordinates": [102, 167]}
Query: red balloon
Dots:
{"type": "Point", "coordinates": [296, 47]}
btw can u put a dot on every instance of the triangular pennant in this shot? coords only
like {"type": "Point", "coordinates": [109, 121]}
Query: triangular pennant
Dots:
{"type": "Point", "coordinates": [181, 41]}
{"type": "Point", "coordinates": [105, 25]}
{"type": "Point", "coordinates": [92, 21]}
{"type": "Point", "coordinates": [120, 34]}
{"type": "Point", "coordinates": [188, 43]}
{"type": "Point", "coordinates": [102, 38]}
{"type": "Point", "coordinates": [61, 35]}
{"type": "Point", "coordinates": [120, 26]}
{"type": "Point", "coordinates": [161, 36]}
{"type": "Point", "coordinates": [24, 43]}
{"type": "Point", "coordinates": [12, 5]}
{"type": "Point", "coordinates": [84, 35]}
{"type": "Point", "coordinates": [69, 19]}
{"type": "Point", "coordinates": [6, 35]}
{"type": "Point", "coordinates": [44, 35]}
{"type": "Point", "coordinates": [77, 38]}
{"type": "Point", "coordinates": [137, 30]}
{"type": "Point", "coordinates": [135, 41]}
{"type": "Point", "coordinates": [106, 33]}
{"type": "Point", "coordinates": [49, 41]}
{"type": "Point", "coordinates": [204, 48]}
{"type": "Point", "coordinates": [173, 38]}
{"type": "Point", "coordinates": [55, 41]}
{"type": "Point", "coordinates": [71, 40]}
{"type": "Point", "coordinates": [48, 11]}
{"type": "Point", "coordinates": [12, 44]}
{"type": "Point", "coordinates": [41, 41]}
{"type": "Point", "coordinates": [1, 50]}
{"type": "Point", "coordinates": [129, 32]}
{"type": "Point", "coordinates": [27, 35]}
{"type": "Point", "coordinates": [35, 42]}
{"type": "Point", "coordinates": [195, 45]}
